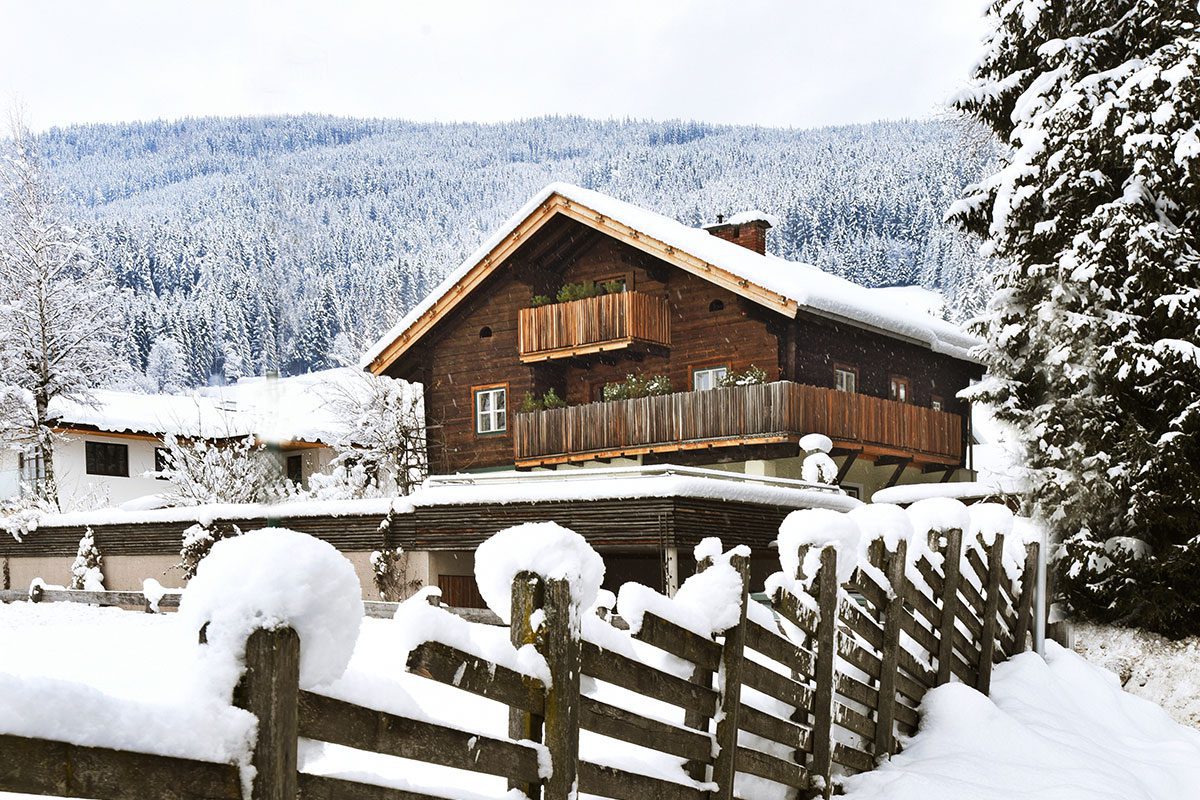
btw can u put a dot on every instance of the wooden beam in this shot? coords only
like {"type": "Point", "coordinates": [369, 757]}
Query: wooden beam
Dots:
{"type": "Point", "coordinates": [897, 473]}
{"type": "Point", "coordinates": [844, 469]}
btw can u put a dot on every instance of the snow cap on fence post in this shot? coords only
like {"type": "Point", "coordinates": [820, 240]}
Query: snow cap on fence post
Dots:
{"type": "Point", "coordinates": [814, 529]}
{"type": "Point", "coordinates": [275, 578]}
{"type": "Point", "coordinates": [544, 548]}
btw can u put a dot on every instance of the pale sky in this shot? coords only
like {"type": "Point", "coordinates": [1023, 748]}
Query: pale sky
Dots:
{"type": "Point", "coordinates": [788, 62]}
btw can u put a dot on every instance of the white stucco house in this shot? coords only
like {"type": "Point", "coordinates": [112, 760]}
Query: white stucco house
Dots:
{"type": "Point", "coordinates": [108, 449]}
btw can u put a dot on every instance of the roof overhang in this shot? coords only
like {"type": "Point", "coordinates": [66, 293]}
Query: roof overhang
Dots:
{"type": "Point", "coordinates": [554, 205]}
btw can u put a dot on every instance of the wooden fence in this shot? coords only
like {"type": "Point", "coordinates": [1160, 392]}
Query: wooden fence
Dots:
{"type": "Point", "coordinates": [849, 661]}
{"type": "Point", "coordinates": [760, 413]}
{"type": "Point", "coordinates": [561, 329]}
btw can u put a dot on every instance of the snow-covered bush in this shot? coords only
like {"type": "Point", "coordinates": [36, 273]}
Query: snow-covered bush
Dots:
{"type": "Point", "coordinates": [751, 376]}
{"type": "Point", "coordinates": [197, 542]}
{"type": "Point", "coordinates": [86, 571]}
{"type": "Point", "coordinates": [637, 386]}
{"type": "Point", "coordinates": [237, 471]}
{"type": "Point", "coordinates": [389, 568]}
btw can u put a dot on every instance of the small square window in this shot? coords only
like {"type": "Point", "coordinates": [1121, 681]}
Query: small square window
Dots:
{"type": "Point", "coordinates": [491, 410]}
{"type": "Point", "coordinates": [106, 458]}
{"type": "Point", "coordinates": [936, 403]}
{"type": "Point", "coordinates": [708, 378]}
{"type": "Point", "coordinates": [845, 379]}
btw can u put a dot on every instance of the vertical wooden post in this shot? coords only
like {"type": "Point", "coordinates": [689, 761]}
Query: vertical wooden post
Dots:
{"type": "Point", "coordinates": [559, 643]}
{"type": "Point", "coordinates": [528, 595]}
{"type": "Point", "coordinates": [826, 583]}
{"type": "Point", "coordinates": [892, 565]}
{"type": "Point", "coordinates": [1025, 603]}
{"type": "Point", "coordinates": [991, 606]}
{"type": "Point", "coordinates": [953, 569]}
{"type": "Point", "coordinates": [270, 689]}
{"type": "Point", "coordinates": [732, 653]}
{"type": "Point", "coordinates": [698, 770]}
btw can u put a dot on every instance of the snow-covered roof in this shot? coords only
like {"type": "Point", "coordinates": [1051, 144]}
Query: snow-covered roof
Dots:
{"type": "Point", "coordinates": [296, 408]}
{"type": "Point", "coordinates": [959, 490]}
{"type": "Point", "coordinates": [743, 217]}
{"type": "Point", "coordinates": [804, 285]}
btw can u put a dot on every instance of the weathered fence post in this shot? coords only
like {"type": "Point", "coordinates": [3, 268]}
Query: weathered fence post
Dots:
{"type": "Point", "coordinates": [991, 607]}
{"type": "Point", "coordinates": [270, 689]}
{"type": "Point", "coordinates": [695, 720]}
{"type": "Point", "coordinates": [892, 565]}
{"type": "Point", "coordinates": [952, 553]}
{"type": "Point", "coordinates": [826, 583]}
{"type": "Point", "coordinates": [559, 639]}
{"type": "Point", "coordinates": [732, 653]}
{"type": "Point", "coordinates": [528, 595]}
{"type": "Point", "coordinates": [1025, 603]}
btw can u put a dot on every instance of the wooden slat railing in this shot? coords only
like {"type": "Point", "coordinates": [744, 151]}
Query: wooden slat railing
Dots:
{"type": "Point", "coordinates": [606, 322]}
{"type": "Point", "coordinates": [736, 415]}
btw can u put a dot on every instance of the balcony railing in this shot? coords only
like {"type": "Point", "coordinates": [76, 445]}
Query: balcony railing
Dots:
{"type": "Point", "coordinates": [739, 415]}
{"type": "Point", "coordinates": [597, 324]}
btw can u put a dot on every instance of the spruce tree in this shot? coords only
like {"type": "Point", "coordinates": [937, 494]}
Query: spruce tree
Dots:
{"type": "Point", "coordinates": [1094, 329]}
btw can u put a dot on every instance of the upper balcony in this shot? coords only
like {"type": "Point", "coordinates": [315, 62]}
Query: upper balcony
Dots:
{"type": "Point", "coordinates": [594, 325]}
{"type": "Point", "coordinates": [768, 413]}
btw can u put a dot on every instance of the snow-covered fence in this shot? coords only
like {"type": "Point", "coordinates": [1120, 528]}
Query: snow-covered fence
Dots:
{"type": "Point", "coordinates": [681, 698]}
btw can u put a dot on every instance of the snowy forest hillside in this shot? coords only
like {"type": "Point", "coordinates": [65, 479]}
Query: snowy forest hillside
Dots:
{"type": "Point", "coordinates": [252, 244]}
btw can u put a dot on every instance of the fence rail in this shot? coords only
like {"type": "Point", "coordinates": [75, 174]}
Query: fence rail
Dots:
{"type": "Point", "coordinates": [776, 411]}
{"type": "Point", "coordinates": [845, 666]}
{"type": "Point", "coordinates": [605, 322]}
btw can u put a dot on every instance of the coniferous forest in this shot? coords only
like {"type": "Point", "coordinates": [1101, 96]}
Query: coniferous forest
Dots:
{"type": "Point", "coordinates": [281, 243]}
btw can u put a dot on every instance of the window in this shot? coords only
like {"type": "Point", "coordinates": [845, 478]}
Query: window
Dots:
{"type": "Point", "coordinates": [32, 467]}
{"type": "Point", "coordinates": [622, 280]}
{"type": "Point", "coordinates": [852, 490]}
{"type": "Point", "coordinates": [935, 403]}
{"type": "Point", "coordinates": [485, 332]}
{"type": "Point", "coordinates": [845, 379]}
{"type": "Point", "coordinates": [162, 462]}
{"type": "Point", "coordinates": [716, 305]}
{"type": "Point", "coordinates": [491, 410]}
{"type": "Point", "coordinates": [295, 469]}
{"type": "Point", "coordinates": [899, 389]}
{"type": "Point", "coordinates": [105, 458]}
{"type": "Point", "coordinates": [708, 378]}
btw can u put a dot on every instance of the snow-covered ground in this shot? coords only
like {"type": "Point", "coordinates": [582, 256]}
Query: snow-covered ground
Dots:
{"type": "Point", "coordinates": [1060, 729]}
{"type": "Point", "coordinates": [1149, 666]}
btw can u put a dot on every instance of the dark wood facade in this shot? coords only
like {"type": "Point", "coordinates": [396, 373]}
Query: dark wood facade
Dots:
{"type": "Point", "coordinates": [478, 344]}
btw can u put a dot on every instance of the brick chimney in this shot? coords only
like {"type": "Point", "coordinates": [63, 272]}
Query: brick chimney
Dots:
{"type": "Point", "coordinates": [749, 229]}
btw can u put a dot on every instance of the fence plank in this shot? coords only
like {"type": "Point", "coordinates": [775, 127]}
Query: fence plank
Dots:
{"type": "Point", "coordinates": [777, 729]}
{"type": "Point", "coordinates": [773, 768]}
{"type": "Point", "coordinates": [270, 690]}
{"type": "Point", "coordinates": [445, 664]}
{"type": "Point", "coordinates": [987, 645]}
{"type": "Point", "coordinates": [610, 667]}
{"type": "Point", "coordinates": [950, 601]}
{"type": "Point", "coordinates": [559, 642]}
{"type": "Point", "coordinates": [892, 565]}
{"type": "Point", "coordinates": [42, 767]}
{"type": "Point", "coordinates": [733, 663]}
{"type": "Point", "coordinates": [679, 642]}
{"type": "Point", "coordinates": [1025, 606]}
{"type": "Point", "coordinates": [621, 785]}
{"type": "Point", "coordinates": [826, 583]}
{"type": "Point", "coordinates": [327, 719]}
{"type": "Point", "coordinates": [528, 595]}
{"type": "Point", "coordinates": [617, 723]}
{"type": "Point", "coordinates": [775, 647]}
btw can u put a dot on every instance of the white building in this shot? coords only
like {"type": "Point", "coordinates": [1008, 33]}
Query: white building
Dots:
{"type": "Point", "coordinates": [107, 450]}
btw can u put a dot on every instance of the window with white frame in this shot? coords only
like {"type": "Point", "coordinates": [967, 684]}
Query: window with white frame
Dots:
{"type": "Point", "coordinates": [845, 379]}
{"type": "Point", "coordinates": [708, 378]}
{"type": "Point", "coordinates": [491, 410]}
{"type": "Point", "coordinates": [32, 467]}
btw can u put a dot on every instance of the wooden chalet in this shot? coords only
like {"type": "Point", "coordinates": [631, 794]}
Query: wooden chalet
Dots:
{"type": "Point", "coordinates": [699, 306]}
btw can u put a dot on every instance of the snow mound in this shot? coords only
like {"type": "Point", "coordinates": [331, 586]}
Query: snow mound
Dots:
{"type": "Point", "coordinates": [707, 603]}
{"type": "Point", "coordinates": [273, 578]}
{"type": "Point", "coordinates": [939, 514]}
{"type": "Point", "coordinates": [543, 548]}
{"type": "Point", "coordinates": [883, 521]}
{"type": "Point", "coordinates": [816, 442]}
{"type": "Point", "coordinates": [818, 528]}
{"type": "Point", "coordinates": [1061, 729]}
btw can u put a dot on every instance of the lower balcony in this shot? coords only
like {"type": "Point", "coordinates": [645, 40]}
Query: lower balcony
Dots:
{"type": "Point", "coordinates": [769, 413]}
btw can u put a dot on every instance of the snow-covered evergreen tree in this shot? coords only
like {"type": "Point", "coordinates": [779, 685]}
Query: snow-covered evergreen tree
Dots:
{"type": "Point", "coordinates": [165, 368]}
{"type": "Point", "coordinates": [198, 540]}
{"type": "Point", "coordinates": [1094, 332]}
{"type": "Point", "coordinates": [59, 315]}
{"type": "Point", "coordinates": [87, 569]}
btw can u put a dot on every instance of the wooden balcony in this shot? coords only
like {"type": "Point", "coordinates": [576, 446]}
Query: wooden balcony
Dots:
{"type": "Point", "coordinates": [768, 413]}
{"type": "Point", "coordinates": [594, 325]}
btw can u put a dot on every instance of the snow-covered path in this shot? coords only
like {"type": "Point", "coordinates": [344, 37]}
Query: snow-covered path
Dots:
{"type": "Point", "coordinates": [1062, 729]}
